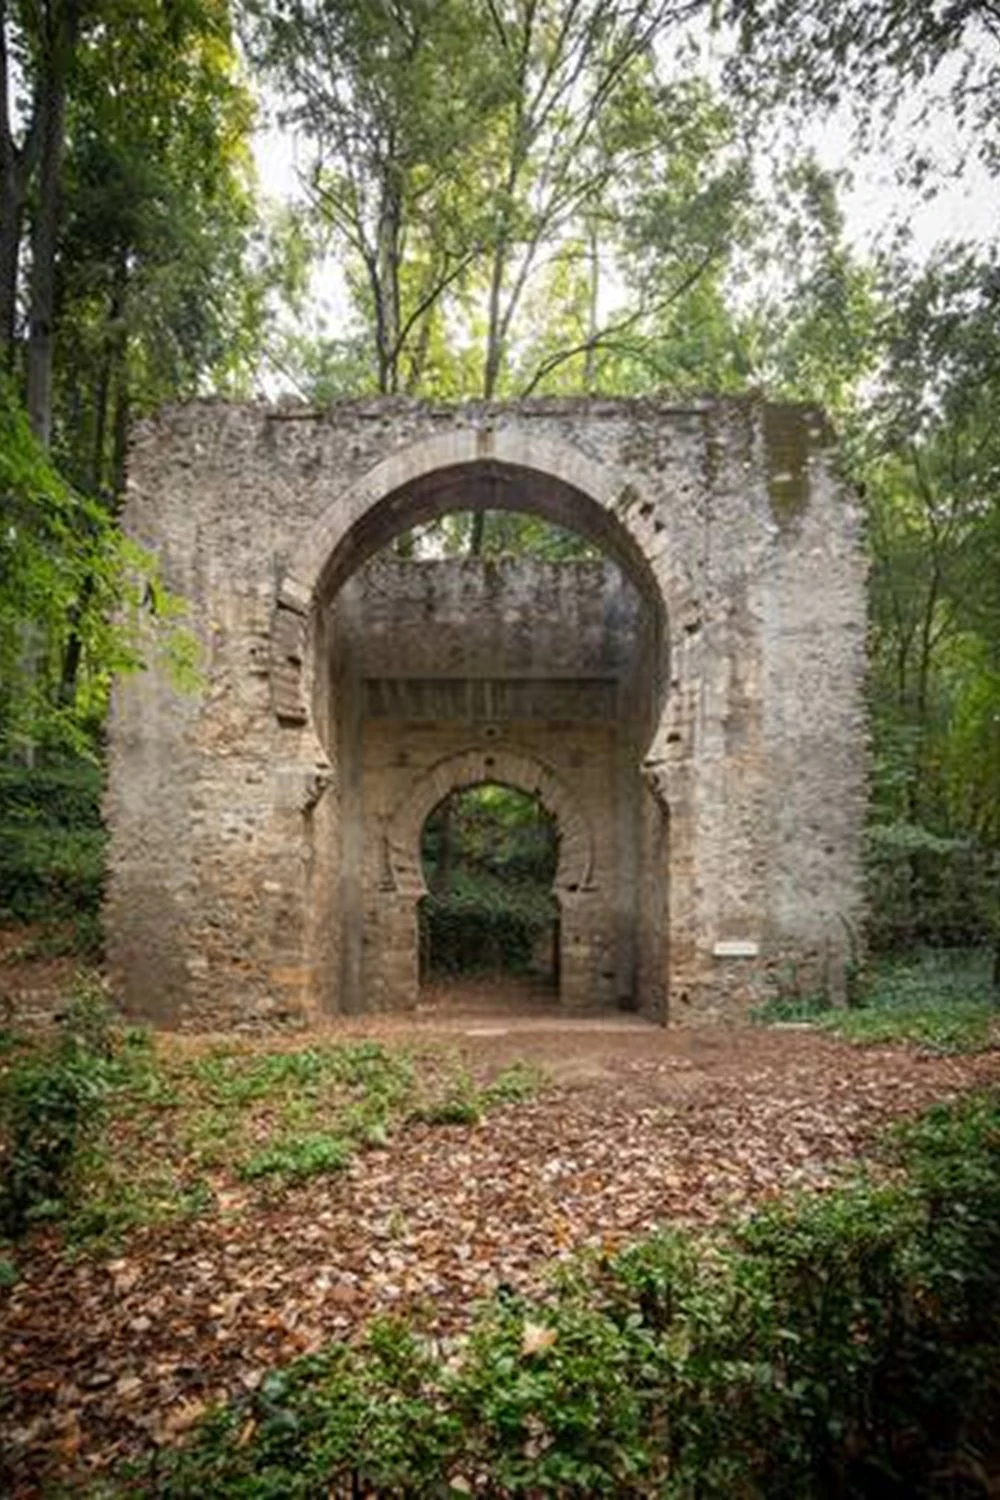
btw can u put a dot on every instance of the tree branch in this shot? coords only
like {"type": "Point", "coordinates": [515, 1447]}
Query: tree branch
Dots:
{"type": "Point", "coordinates": [601, 338]}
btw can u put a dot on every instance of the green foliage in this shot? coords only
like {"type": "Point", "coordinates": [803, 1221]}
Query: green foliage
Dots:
{"type": "Point", "coordinates": [160, 286]}
{"type": "Point", "coordinates": [330, 1102]}
{"type": "Point", "coordinates": [490, 854]}
{"type": "Point", "coordinates": [942, 1000]}
{"type": "Point", "coordinates": [928, 977]}
{"type": "Point", "coordinates": [52, 846]}
{"type": "Point", "coordinates": [514, 1085]}
{"type": "Point", "coordinates": [62, 569]}
{"type": "Point", "coordinates": [51, 1102]}
{"type": "Point", "coordinates": [906, 357]}
{"type": "Point", "coordinates": [931, 464]}
{"type": "Point", "coordinates": [873, 58]}
{"type": "Point", "coordinates": [296, 1157]}
{"type": "Point", "coordinates": [783, 1010]}
{"type": "Point", "coordinates": [938, 1028]}
{"type": "Point", "coordinates": [235, 1078]}
{"type": "Point", "coordinates": [482, 923]}
{"type": "Point", "coordinates": [140, 1128]}
{"type": "Point", "coordinates": [843, 1343]}
{"type": "Point", "coordinates": [459, 1104]}
{"type": "Point", "coordinates": [925, 888]}
{"type": "Point", "coordinates": [70, 583]}
{"type": "Point", "coordinates": [160, 229]}
{"type": "Point", "coordinates": [487, 172]}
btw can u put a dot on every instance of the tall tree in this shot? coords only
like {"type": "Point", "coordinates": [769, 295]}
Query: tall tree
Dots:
{"type": "Point", "coordinates": [395, 98]}
{"type": "Point", "coordinates": [37, 48]}
{"type": "Point", "coordinates": [138, 208]}
{"type": "Point", "coordinates": [157, 287]}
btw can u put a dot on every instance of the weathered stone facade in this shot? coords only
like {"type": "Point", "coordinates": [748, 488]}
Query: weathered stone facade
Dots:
{"type": "Point", "coordinates": [690, 710]}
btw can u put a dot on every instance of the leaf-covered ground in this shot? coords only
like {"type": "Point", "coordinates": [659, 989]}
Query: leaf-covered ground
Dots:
{"type": "Point", "coordinates": [221, 1271]}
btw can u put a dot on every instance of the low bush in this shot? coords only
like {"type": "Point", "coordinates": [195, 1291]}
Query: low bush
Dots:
{"type": "Point", "coordinates": [942, 1000]}
{"type": "Point", "coordinates": [483, 923]}
{"type": "Point", "coordinates": [297, 1157]}
{"type": "Point", "coordinates": [51, 1102]}
{"type": "Point", "coordinates": [52, 847]}
{"type": "Point", "coordinates": [926, 889]}
{"type": "Point", "coordinates": [837, 1345]}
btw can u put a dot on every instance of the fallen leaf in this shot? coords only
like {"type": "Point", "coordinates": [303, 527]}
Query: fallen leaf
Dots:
{"type": "Point", "coordinates": [536, 1337]}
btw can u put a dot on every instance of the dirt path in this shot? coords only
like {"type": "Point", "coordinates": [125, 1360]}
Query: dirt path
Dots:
{"type": "Point", "coordinates": [640, 1126]}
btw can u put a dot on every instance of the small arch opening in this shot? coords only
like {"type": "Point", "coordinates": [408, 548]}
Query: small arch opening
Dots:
{"type": "Point", "coordinates": [489, 923]}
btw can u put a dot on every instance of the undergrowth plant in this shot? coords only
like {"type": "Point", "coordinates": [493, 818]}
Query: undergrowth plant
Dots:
{"type": "Point", "coordinates": [940, 1000]}
{"type": "Point", "coordinates": [839, 1344]}
{"type": "Point", "coordinates": [51, 1102]}
{"type": "Point", "coordinates": [101, 1131]}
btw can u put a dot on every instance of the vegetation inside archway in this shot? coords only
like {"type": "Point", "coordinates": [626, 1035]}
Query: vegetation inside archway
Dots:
{"type": "Point", "coordinates": [489, 854]}
{"type": "Point", "coordinates": [494, 534]}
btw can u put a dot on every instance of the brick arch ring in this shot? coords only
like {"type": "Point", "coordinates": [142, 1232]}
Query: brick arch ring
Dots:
{"type": "Point", "coordinates": [403, 871]}
{"type": "Point", "coordinates": [326, 553]}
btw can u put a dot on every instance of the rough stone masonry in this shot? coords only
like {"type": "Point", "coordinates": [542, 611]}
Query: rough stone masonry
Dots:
{"type": "Point", "coordinates": [687, 703]}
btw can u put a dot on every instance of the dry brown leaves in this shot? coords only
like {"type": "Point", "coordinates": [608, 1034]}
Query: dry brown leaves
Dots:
{"type": "Point", "coordinates": [103, 1358]}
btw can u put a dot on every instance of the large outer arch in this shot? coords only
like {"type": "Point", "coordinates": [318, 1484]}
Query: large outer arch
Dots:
{"type": "Point", "coordinates": [472, 767]}
{"type": "Point", "coordinates": [502, 467]}
{"type": "Point", "coordinates": [507, 466]}
{"type": "Point", "coordinates": [317, 564]}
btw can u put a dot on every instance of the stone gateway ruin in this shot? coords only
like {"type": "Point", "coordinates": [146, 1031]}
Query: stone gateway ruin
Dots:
{"type": "Point", "coordinates": [686, 702]}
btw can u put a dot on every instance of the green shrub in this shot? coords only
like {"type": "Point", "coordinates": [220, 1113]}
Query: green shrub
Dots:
{"type": "Point", "coordinates": [298, 1157]}
{"type": "Point", "coordinates": [944, 1028]}
{"type": "Point", "coordinates": [836, 1345]}
{"type": "Point", "coordinates": [923, 888]}
{"type": "Point", "coordinates": [484, 923]}
{"type": "Point", "coordinates": [513, 1085]}
{"type": "Point", "coordinates": [940, 999]}
{"type": "Point", "coordinates": [51, 1101]}
{"type": "Point", "coordinates": [52, 844]}
{"type": "Point", "coordinates": [490, 853]}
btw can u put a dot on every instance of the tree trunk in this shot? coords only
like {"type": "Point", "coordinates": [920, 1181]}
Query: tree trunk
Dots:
{"type": "Point", "coordinates": [43, 265]}
{"type": "Point", "coordinates": [10, 246]}
{"type": "Point", "coordinates": [593, 297]}
{"type": "Point", "coordinates": [16, 168]}
{"type": "Point", "coordinates": [478, 533]}
{"type": "Point", "coordinates": [387, 261]}
{"type": "Point", "coordinates": [59, 44]}
{"type": "Point", "coordinates": [491, 372]}
{"type": "Point", "coordinates": [119, 457]}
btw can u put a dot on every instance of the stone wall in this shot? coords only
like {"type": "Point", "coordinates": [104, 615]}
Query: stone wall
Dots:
{"type": "Point", "coordinates": [235, 836]}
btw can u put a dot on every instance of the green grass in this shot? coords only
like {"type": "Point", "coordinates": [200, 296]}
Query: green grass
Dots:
{"type": "Point", "coordinates": [941, 1000]}
{"type": "Point", "coordinates": [297, 1157]}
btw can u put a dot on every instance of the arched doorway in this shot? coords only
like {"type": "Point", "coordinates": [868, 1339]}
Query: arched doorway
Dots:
{"type": "Point", "coordinates": [472, 470]}
{"type": "Point", "coordinates": [590, 699]}
{"type": "Point", "coordinates": [387, 946]}
{"type": "Point", "coordinates": [490, 919]}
